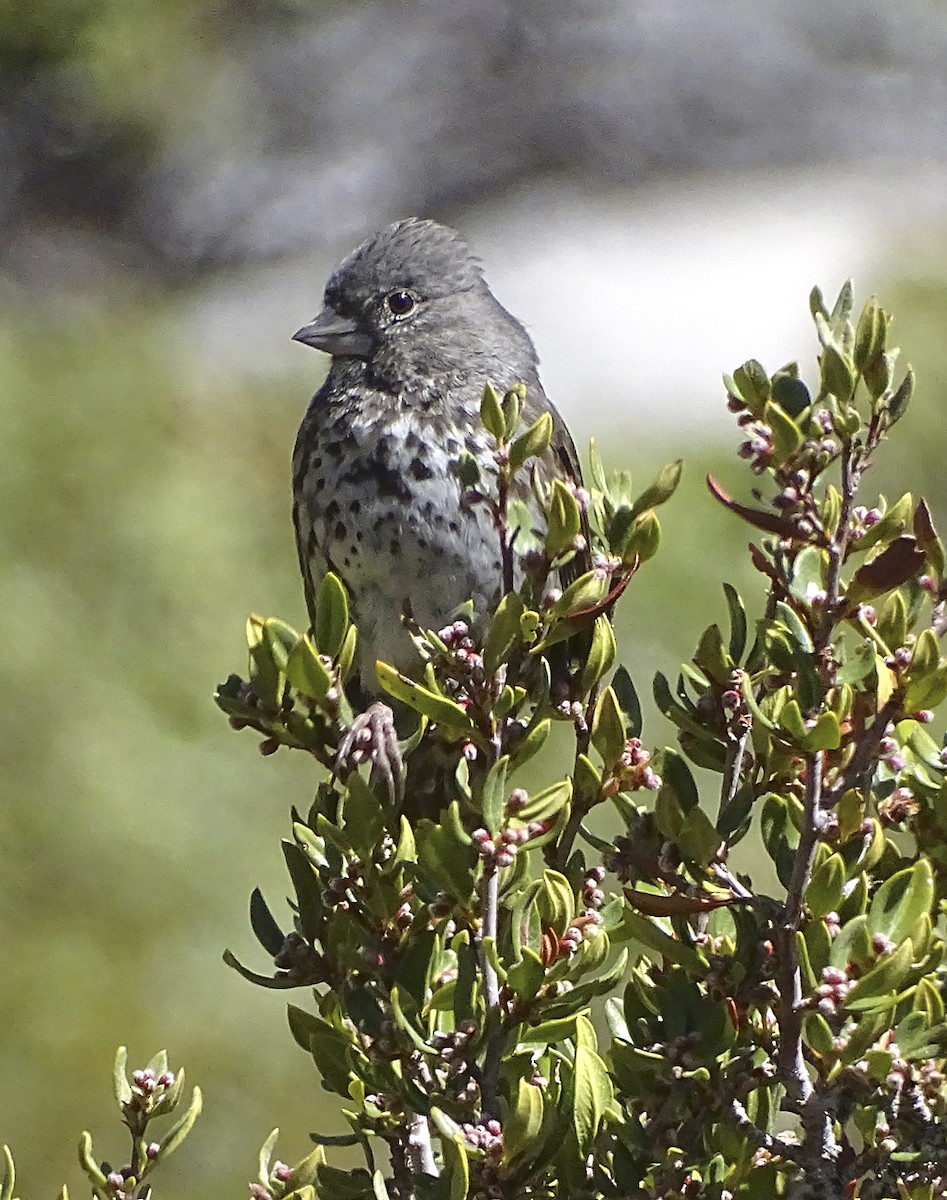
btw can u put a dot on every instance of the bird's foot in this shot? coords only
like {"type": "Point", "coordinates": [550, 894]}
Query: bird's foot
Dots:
{"type": "Point", "coordinates": [372, 737]}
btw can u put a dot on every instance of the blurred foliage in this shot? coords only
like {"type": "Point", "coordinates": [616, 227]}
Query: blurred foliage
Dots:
{"type": "Point", "coordinates": [144, 513]}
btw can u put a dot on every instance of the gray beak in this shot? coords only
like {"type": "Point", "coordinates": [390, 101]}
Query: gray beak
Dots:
{"type": "Point", "coordinates": [335, 335]}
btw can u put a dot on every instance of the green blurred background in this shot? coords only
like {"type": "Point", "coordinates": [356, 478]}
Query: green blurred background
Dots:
{"type": "Point", "coordinates": [144, 511]}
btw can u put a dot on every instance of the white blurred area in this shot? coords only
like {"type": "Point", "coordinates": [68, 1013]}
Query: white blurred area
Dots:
{"type": "Point", "coordinates": [637, 300]}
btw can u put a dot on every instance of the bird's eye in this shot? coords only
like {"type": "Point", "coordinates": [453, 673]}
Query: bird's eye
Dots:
{"type": "Point", "coordinates": [400, 303]}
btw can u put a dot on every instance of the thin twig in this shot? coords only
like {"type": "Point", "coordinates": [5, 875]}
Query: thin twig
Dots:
{"type": "Point", "coordinates": [837, 550]}
{"type": "Point", "coordinates": [863, 757]}
{"type": "Point", "coordinates": [820, 1147]}
{"type": "Point", "coordinates": [760, 1139]}
{"type": "Point", "coordinates": [736, 747]}
{"type": "Point", "coordinates": [489, 909]}
{"type": "Point", "coordinates": [420, 1151]}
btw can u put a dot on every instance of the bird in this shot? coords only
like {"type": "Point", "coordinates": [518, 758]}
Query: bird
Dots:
{"type": "Point", "coordinates": [414, 334]}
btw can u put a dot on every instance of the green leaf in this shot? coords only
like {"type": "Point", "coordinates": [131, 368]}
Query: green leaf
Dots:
{"type": "Point", "coordinates": [491, 414]}
{"type": "Point", "coordinates": [555, 901]}
{"type": "Point", "coordinates": [651, 935]}
{"type": "Point", "coordinates": [873, 990]}
{"type": "Point", "coordinates": [808, 574]}
{"type": "Point", "coordinates": [853, 944]}
{"type": "Point", "coordinates": [445, 863]}
{"type": "Point", "coordinates": [901, 901]}
{"type": "Point", "coordinates": [869, 334]}
{"type": "Point", "coordinates": [533, 741]}
{"type": "Point", "coordinates": [897, 406]}
{"type": "Point", "coordinates": [838, 374]}
{"type": "Point", "coordinates": [628, 702]}
{"type": "Point", "coordinates": [264, 671]}
{"type": "Point", "coordinates": [596, 469]}
{"type": "Point", "coordinates": [525, 978]}
{"type": "Point", "coordinates": [347, 653]}
{"type": "Point", "coordinates": [826, 734]}
{"type": "Point", "coordinates": [545, 804]}
{"type": "Point", "coordinates": [662, 489]}
{"type": "Point", "coordinates": [643, 540]}
{"type": "Point", "coordinates": [493, 804]}
{"type": "Point", "coordinates": [503, 632]}
{"type": "Point", "coordinates": [818, 1034]}
{"type": "Point", "coordinates": [306, 672]}
{"type": "Point", "coordinates": [549, 1033]}
{"type": "Point", "coordinates": [737, 643]}
{"type": "Point", "coordinates": [712, 658]}
{"type": "Point", "coordinates": [521, 1127]}
{"type": "Point", "coordinates": [894, 522]}
{"type": "Point", "coordinates": [824, 893]}
{"type": "Point", "coordinates": [332, 615]}
{"type": "Point", "coordinates": [698, 839]}
{"type": "Point", "coordinates": [455, 1158]}
{"type": "Point", "coordinates": [437, 708]}
{"type": "Point", "coordinates": [563, 519]}
{"type": "Point", "coordinates": [787, 436]}
{"type": "Point", "coordinates": [608, 728]}
{"type": "Point", "coordinates": [182, 1127]}
{"type": "Point", "coordinates": [592, 1096]}
{"type": "Point", "coordinates": [790, 719]}
{"type": "Point", "coordinates": [534, 443]}
{"type": "Point", "coordinates": [601, 654]}
{"type": "Point", "coordinates": [753, 384]}
{"type": "Point", "coordinates": [583, 593]}
{"type": "Point", "coordinates": [512, 405]}
{"type": "Point", "coordinates": [120, 1085]}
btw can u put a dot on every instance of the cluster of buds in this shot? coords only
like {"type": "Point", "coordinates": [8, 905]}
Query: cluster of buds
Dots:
{"type": "Point", "coordinates": [733, 703]}
{"type": "Point", "coordinates": [484, 1135]}
{"type": "Point", "coordinates": [146, 1083]}
{"type": "Point", "coordinates": [119, 1181]}
{"type": "Point", "coordinates": [592, 892]}
{"type": "Point", "coordinates": [759, 444]}
{"type": "Point", "coordinates": [453, 1064]}
{"type": "Point", "coordinates": [897, 808]}
{"type": "Point", "coordinates": [584, 926]}
{"type": "Point", "coordinates": [634, 770]}
{"type": "Point", "coordinates": [833, 989]}
{"type": "Point", "coordinates": [863, 519]}
{"type": "Point", "coordinates": [580, 494]}
{"type": "Point", "coordinates": [605, 565]}
{"type": "Point", "coordinates": [462, 651]}
{"type": "Point", "coordinates": [335, 894]}
{"type": "Point", "coordinates": [500, 850]}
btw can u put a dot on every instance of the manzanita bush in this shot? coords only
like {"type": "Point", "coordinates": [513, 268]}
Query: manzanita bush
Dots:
{"type": "Point", "coordinates": [510, 1006]}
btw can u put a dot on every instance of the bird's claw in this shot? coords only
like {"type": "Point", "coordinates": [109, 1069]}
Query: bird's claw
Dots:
{"type": "Point", "coordinates": [372, 737]}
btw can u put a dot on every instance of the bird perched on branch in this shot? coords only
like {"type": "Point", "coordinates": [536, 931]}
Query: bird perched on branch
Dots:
{"type": "Point", "coordinates": [414, 333]}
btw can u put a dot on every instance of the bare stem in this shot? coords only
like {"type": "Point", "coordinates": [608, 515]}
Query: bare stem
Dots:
{"type": "Point", "coordinates": [837, 549]}
{"type": "Point", "coordinates": [489, 909]}
{"type": "Point", "coordinates": [757, 1137]}
{"type": "Point", "coordinates": [736, 747]}
{"type": "Point", "coordinates": [820, 1147]}
{"type": "Point", "coordinates": [420, 1151]}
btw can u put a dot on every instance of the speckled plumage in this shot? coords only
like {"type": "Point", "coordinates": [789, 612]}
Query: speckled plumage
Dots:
{"type": "Point", "coordinates": [375, 499]}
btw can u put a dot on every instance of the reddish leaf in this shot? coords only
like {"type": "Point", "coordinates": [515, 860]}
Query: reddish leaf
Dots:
{"type": "Point", "coordinates": [764, 566]}
{"type": "Point", "coordinates": [893, 566]}
{"type": "Point", "coordinates": [758, 517]}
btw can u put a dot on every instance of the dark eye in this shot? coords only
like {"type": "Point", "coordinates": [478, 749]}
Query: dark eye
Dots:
{"type": "Point", "coordinates": [400, 303]}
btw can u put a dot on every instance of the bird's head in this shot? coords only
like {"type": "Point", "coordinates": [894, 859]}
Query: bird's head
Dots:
{"type": "Point", "coordinates": [406, 284]}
